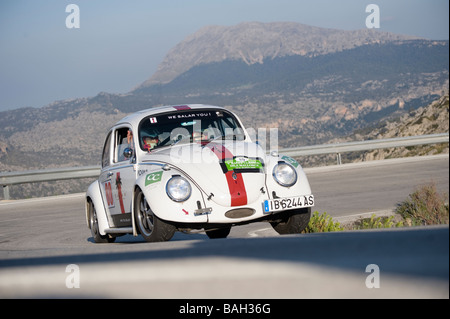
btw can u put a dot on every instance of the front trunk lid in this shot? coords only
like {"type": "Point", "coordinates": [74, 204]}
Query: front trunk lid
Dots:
{"type": "Point", "coordinates": [231, 173]}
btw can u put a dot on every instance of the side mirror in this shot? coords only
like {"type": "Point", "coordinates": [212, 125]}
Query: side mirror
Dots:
{"type": "Point", "coordinates": [128, 152]}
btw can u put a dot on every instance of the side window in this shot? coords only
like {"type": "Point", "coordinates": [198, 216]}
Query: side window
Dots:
{"type": "Point", "coordinates": [123, 139]}
{"type": "Point", "coordinates": [106, 158]}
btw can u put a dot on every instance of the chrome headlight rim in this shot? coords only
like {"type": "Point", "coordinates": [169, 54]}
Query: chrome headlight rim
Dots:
{"type": "Point", "coordinates": [171, 188]}
{"type": "Point", "coordinates": [282, 183]}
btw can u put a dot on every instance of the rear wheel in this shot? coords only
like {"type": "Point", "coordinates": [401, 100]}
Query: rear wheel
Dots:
{"type": "Point", "coordinates": [148, 224]}
{"type": "Point", "coordinates": [292, 221]}
{"type": "Point", "coordinates": [93, 225]}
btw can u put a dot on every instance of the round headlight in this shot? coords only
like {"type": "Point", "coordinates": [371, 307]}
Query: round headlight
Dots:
{"type": "Point", "coordinates": [284, 174]}
{"type": "Point", "coordinates": [178, 189]}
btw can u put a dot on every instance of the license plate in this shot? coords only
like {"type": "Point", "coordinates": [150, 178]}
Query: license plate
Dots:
{"type": "Point", "coordinates": [275, 205]}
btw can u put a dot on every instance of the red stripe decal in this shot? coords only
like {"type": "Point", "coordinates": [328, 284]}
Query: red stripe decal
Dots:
{"type": "Point", "coordinates": [119, 191]}
{"type": "Point", "coordinates": [235, 181]}
{"type": "Point", "coordinates": [181, 107]}
{"type": "Point", "coordinates": [237, 189]}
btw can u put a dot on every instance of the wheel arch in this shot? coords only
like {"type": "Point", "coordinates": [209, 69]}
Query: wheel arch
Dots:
{"type": "Point", "coordinates": [138, 187]}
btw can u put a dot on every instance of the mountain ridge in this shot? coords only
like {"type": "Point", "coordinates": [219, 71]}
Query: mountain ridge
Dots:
{"type": "Point", "coordinates": [252, 42]}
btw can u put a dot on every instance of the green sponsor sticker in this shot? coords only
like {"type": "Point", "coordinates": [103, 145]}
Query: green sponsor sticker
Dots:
{"type": "Point", "coordinates": [243, 163]}
{"type": "Point", "coordinates": [153, 178]}
{"type": "Point", "coordinates": [290, 160]}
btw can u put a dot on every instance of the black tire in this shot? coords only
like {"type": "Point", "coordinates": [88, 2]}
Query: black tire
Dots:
{"type": "Point", "coordinates": [93, 225]}
{"type": "Point", "coordinates": [152, 228]}
{"type": "Point", "coordinates": [292, 221]}
{"type": "Point", "coordinates": [222, 232]}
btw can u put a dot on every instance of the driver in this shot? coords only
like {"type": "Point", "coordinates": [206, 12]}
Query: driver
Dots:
{"type": "Point", "coordinates": [200, 136]}
{"type": "Point", "coordinates": [150, 142]}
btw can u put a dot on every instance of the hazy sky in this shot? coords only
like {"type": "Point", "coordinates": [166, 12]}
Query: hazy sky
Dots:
{"type": "Point", "coordinates": [119, 44]}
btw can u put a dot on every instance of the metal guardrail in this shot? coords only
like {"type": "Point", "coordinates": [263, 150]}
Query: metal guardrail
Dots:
{"type": "Point", "coordinates": [14, 178]}
{"type": "Point", "coordinates": [367, 145]}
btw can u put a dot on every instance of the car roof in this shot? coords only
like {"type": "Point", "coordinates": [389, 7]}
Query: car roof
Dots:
{"type": "Point", "coordinates": [136, 117]}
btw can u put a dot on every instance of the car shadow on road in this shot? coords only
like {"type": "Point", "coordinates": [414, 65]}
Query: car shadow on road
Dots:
{"type": "Point", "coordinates": [422, 251]}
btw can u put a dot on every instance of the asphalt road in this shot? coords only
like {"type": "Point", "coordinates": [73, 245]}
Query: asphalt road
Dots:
{"type": "Point", "coordinates": [41, 238]}
{"type": "Point", "coordinates": [375, 186]}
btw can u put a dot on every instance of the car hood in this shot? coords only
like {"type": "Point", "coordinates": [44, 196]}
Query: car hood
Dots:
{"type": "Point", "coordinates": [231, 173]}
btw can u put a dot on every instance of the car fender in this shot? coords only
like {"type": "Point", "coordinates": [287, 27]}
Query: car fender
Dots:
{"type": "Point", "coordinates": [93, 194]}
{"type": "Point", "coordinates": [301, 187]}
{"type": "Point", "coordinates": [153, 185]}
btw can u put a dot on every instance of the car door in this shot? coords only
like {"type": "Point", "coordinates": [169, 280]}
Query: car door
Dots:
{"type": "Point", "coordinates": [118, 176]}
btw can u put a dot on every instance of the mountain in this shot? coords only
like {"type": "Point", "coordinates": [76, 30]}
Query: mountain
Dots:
{"type": "Point", "coordinates": [315, 96]}
{"type": "Point", "coordinates": [254, 42]}
{"type": "Point", "coordinates": [313, 84]}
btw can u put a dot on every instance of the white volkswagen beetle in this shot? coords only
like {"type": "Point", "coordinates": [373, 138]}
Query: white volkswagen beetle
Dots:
{"type": "Point", "coordinates": [192, 167]}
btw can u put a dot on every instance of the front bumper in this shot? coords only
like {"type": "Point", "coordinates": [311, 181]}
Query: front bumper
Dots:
{"type": "Point", "coordinates": [217, 214]}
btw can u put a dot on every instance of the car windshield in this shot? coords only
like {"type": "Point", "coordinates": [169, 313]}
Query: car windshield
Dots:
{"type": "Point", "coordinates": [190, 126]}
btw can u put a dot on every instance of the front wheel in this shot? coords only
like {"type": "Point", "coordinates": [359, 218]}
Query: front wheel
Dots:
{"type": "Point", "coordinates": [292, 221]}
{"type": "Point", "coordinates": [148, 224]}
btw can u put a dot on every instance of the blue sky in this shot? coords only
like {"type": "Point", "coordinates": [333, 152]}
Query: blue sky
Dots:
{"type": "Point", "coordinates": [120, 43]}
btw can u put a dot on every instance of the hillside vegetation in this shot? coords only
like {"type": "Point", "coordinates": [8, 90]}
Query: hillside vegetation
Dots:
{"type": "Point", "coordinates": [432, 119]}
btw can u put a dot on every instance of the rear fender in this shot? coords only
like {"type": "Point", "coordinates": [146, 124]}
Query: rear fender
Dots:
{"type": "Point", "coordinates": [94, 195]}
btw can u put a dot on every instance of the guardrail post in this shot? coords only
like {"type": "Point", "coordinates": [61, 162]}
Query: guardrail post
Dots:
{"type": "Point", "coordinates": [5, 192]}
{"type": "Point", "coordinates": [339, 160]}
